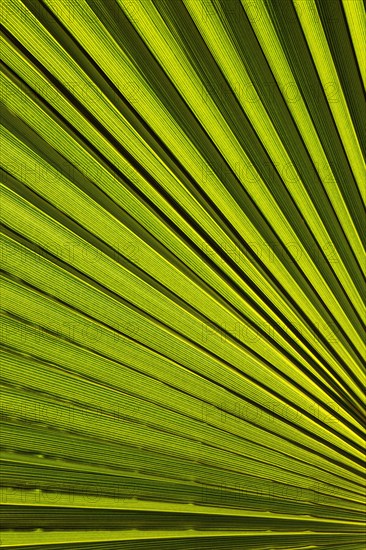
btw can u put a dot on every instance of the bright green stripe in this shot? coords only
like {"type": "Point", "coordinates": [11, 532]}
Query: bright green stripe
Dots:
{"type": "Point", "coordinates": [317, 42]}
{"type": "Point", "coordinates": [356, 23]}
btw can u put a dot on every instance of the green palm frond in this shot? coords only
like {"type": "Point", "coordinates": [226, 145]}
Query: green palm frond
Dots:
{"type": "Point", "coordinates": [183, 286]}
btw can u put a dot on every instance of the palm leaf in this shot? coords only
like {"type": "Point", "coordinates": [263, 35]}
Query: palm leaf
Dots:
{"type": "Point", "coordinates": [183, 274]}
